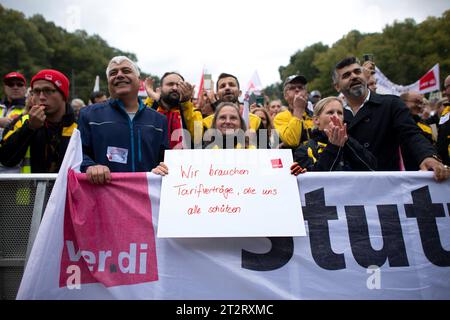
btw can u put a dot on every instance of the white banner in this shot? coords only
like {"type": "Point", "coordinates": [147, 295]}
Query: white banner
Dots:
{"type": "Point", "coordinates": [369, 236]}
{"type": "Point", "coordinates": [428, 83]}
{"type": "Point", "coordinates": [229, 193]}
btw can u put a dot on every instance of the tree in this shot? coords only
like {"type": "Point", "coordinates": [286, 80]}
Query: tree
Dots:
{"type": "Point", "coordinates": [30, 45]}
{"type": "Point", "coordinates": [404, 51]}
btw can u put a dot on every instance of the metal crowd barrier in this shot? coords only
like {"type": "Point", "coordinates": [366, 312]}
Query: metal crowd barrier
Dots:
{"type": "Point", "coordinates": [23, 198]}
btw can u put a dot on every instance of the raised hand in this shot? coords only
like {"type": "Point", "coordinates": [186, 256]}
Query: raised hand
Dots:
{"type": "Point", "coordinates": [186, 91]}
{"type": "Point", "coordinates": [299, 104]}
{"type": "Point", "coordinates": [37, 117]}
{"type": "Point", "coordinates": [336, 132]}
{"type": "Point", "coordinates": [211, 94]}
{"type": "Point", "coordinates": [154, 95]}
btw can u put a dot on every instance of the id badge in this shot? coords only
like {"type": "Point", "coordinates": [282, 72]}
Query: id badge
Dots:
{"type": "Point", "coordinates": [115, 154]}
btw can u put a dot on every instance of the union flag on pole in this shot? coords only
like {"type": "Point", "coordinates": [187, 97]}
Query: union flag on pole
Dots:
{"type": "Point", "coordinates": [430, 81]}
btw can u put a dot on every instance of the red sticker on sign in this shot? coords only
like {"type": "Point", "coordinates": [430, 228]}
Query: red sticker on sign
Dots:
{"type": "Point", "coordinates": [276, 163]}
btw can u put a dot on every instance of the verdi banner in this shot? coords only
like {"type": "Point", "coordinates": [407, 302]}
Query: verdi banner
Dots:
{"type": "Point", "coordinates": [378, 235]}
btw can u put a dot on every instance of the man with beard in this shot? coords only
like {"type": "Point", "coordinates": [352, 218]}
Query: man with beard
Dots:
{"type": "Point", "coordinates": [174, 96]}
{"type": "Point", "coordinates": [381, 122]}
{"type": "Point", "coordinates": [228, 90]}
{"type": "Point", "coordinates": [121, 134]}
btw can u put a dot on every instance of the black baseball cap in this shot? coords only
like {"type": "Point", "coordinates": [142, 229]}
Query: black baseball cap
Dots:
{"type": "Point", "coordinates": [295, 79]}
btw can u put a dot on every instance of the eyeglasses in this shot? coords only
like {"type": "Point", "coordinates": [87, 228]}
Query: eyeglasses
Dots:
{"type": "Point", "coordinates": [417, 103]}
{"type": "Point", "coordinates": [15, 84]}
{"type": "Point", "coordinates": [46, 91]}
{"type": "Point", "coordinates": [293, 86]}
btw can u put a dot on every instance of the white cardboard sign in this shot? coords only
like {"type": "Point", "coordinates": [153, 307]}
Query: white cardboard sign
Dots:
{"type": "Point", "coordinates": [229, 193]}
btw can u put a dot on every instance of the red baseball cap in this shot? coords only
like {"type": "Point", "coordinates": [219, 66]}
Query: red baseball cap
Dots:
{"type": "Point", "coordinates": [14, 75]}
{"type": "Point", "coordinates": [57, 78]}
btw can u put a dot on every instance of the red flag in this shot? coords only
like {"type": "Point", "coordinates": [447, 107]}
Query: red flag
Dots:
{"type": "Point", "coordinates": [142, 92]}
{"type": "Point", "coordinates": [428, 80]}
{"type": "Point", "coordinates": [200, 87]}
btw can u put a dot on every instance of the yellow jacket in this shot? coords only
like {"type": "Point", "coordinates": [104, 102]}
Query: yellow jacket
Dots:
{"type": "Point", "coordinates": [192, 116]}
{"type": "Point", "coordinates": [292, 130]}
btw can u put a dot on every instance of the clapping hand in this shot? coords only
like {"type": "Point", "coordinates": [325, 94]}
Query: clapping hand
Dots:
{"type": "Point", "coordinates": [336, 132]}
{"type": "Point", "coordinates": [151, 93]}
{"type": "Point", "coordinates": [186, 91]}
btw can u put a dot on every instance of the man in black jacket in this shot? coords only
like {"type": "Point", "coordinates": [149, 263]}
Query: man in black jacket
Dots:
{"type": "Point", "coordinates": [41, 137]}
{"type": "Point", "coordinates": [381, 122]}
{"type": "Point", "coordinates": [414, 101]}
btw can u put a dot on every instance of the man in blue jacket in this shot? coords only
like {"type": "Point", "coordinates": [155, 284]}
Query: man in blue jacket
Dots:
{"type": "Point", "coordinates": [121, 134]}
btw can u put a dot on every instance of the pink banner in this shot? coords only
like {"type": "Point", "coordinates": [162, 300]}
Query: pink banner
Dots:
{"type": "Point", "coordinates": [123, 254]}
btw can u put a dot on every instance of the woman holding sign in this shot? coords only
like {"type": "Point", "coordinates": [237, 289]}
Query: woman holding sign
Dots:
{"type": "Point", "coordinates": [330, 147]}
{"type": "Point", "coordinates": [228, 130]}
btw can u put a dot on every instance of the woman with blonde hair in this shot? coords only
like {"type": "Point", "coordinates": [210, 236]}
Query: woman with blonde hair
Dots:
{"type": "Point", "coordinates": [330, 147]}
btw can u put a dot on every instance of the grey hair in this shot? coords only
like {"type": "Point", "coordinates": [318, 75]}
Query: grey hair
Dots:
{"type": "Point", "coordinates": [78, 101]}
{"type": "Point", "coordinates": [119, 60]}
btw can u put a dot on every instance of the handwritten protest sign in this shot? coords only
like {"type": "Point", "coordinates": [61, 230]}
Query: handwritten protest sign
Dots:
{"type": "Point", "coordinates": [229, 193]}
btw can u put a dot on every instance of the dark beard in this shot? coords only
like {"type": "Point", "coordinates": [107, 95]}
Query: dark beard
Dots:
{"type": "Point", "coordinates": [357, 91]}
{"type": "Point", "coordinates": [171, 99]}
{"type": "Point", "coordinates": [230, 98]}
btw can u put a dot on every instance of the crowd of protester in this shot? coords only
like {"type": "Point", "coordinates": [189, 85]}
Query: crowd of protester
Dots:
{"type": "Point", "coordinates": [357, 130]}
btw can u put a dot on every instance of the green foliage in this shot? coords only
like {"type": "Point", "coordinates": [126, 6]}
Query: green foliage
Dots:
{"type": "Point", "coordinates": [30, 45]}
{"type": "Point", "coordinates": [404, 51]}
{"type": "Point", "coordinates": [274, 91]}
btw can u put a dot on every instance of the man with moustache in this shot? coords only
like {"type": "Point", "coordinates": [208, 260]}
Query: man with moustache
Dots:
{"type": "Point", "coordinates": [174, 101]}
{"type": "Point", "coordinates": [121, 134]}
{"type": "Point", "coordinates": [228, 90]}
{"type": "Point", "coordinates": [381, 122]}
{"type": "Point", "coordinates": [41, 137]}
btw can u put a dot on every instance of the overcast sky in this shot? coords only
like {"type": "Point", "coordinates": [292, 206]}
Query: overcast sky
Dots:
{"type": "Point", "coordinates": [233, 36]}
